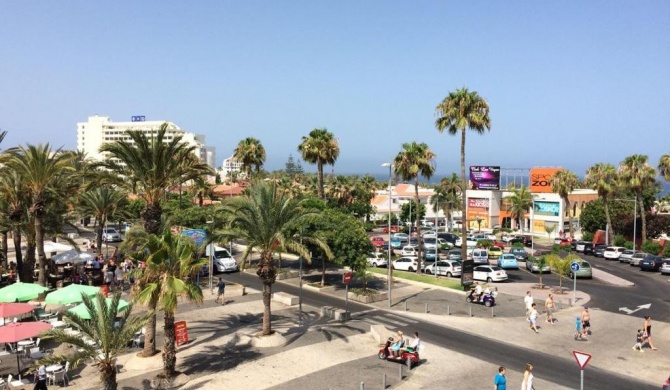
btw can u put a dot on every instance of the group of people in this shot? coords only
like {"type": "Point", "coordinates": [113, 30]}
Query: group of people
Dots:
{"type": "Point", "coordinates": [644, 336]}
{"type": "Point", "coordinates": [500, 380]}
{"type": "Point", "coordinates": [399, 344]}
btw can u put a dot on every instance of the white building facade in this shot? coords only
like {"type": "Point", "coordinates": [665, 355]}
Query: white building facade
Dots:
{"type": "Point", "coordinates": [230, 166]}
{"type": "Point", "coordinates": [99, 130]}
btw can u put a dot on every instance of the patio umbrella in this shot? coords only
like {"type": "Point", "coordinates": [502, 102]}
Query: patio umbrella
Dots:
{"type": "Point", "coordinates": [21, 292]}
{"type": "Point", "coordinates": [72, 256]}
{"type": "Point", "coordinates": [15, 309]}
{"type": "Point", "coordinates": [82, 311]}
{"type": "Point", "coordinates": [71, 294]}
{"type": "Point", "coordinates": [18, 331]}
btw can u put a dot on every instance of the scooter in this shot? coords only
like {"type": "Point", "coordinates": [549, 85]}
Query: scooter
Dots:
{"type": "Point", "coordinates": [488, 299]}
{"type": "Point", "coordinates": [411, 358]}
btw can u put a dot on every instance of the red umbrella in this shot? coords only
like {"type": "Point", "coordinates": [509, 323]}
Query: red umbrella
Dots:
{"type": "Point", "coordinates": [14, 309]}
{"type": "Point", "coordinates": [18, 331]}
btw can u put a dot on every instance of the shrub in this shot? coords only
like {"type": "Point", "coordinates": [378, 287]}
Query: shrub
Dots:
{"type": "Point", "coordinates": [486, 244]}
{"type": "Point", "coordinates": [666, 251]}
{"type": "Point", "coordinates": [518, 245]}
{"type": "Point", "coordinates": [368, 226]}
{"type": "Point", "coordinates": [651, 247]}
{"type": "Point", "coordinates": [561, 248]}
{"type": "Point", "coordinates": [619, 240]}
{"type": "Point", "coordinates": [628, 244]}
{"type": "Point", "coordinates": [587, 236]}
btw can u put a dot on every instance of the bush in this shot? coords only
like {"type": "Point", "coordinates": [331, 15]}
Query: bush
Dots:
{"type": "Point", "coordinates": [518, 245]}
{"type": "Point", "coordinates": [619, 240]}
{"type": "Point", "coordinates": [368, 226]}
{"type": "Point", "coordinates": [561, 248]}
{"type": "Point", "coordinates": [587, 236]}
{"type": "Point", "coordinates": [651, 247]}
{"type": "Point", "coordinates": [486, 244]}
{"type": "Point", "coordinates": [628, 244]}
{"type": "Point", "coordinates": [666, 251]}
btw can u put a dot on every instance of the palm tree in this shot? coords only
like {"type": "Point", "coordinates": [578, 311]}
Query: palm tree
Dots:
{"type": "Point", "coordinates": [103, 203]}
{"type": "Point", "coordinates": [267, 219]}
{"type": "Point", "coordinates": [603, 178]}
{"type": "Point", "coordinates": [251, 153]}
{"type": "Point", "coordinates": [170, 266]}
{"type": "Point", "coordinates": [111, 336]}
{"type": "Point", "coordinates": [320, 148]}
{"type": "Point", "coordinates": [521, 201]}
{"type": "Point", "coordinates": [638, 175]}
{"type": "Point", "coordinates": [563, 183]}
{"type": "Point", "coordinates": [459, 111]}
{"type": "Point", "coordinates": [42, 171]}
{"type": "Point", "coordinates": [664, 166]}
{"type": "Point", "coordinates": [450, 194]}
{"type": "Point", "coordinates": [150, 165]}
{"type": "Point", "coordinates": [413, 161]}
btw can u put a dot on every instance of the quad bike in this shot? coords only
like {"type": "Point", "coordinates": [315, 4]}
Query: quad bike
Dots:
{"type": "Point", "coordinates": [486, 299]}
{"type": "Point", "coordinates": [409, 357]}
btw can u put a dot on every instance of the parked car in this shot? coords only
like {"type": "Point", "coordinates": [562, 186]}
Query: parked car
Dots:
{"type": "Point", "coordinates": [626, 256]}
{"type": "Point", "coordinates": [448, 237]}
{"type": "Point", "coordinates": [508, 237]}
{"type": "Point", "coordinates": [445, 268]}
{"type": "Point", "coordinates": [431, 254]}
{"type": "Point", "coordinates": [599, 250]}
{"type": "Point", "coordinates": [636, 258]}
{"type": "Point", "coordinates": [409, 250]}
{"type": "Point", "coordinates": [489, 273]}
{"type": "Point", "coordinates": [580, 246]}
{"type": "Point", "coordinates": [394, 229]}
{"type": "Point", "coordinates": [377, 241]}
{"type": "Point", "coordinates": [508, 261]}
{"type": "Point", "coordinates": [454, 254]}
{"type": "Point", "coordinates": [533, 265]}
{"type": "Point", "coordinates": [584, 271]}
{"type": "Point", "coordinates": [519, 253]}
{"type": "Point", "coordinates": [436, 243]}
{"type": "Point", "coordinates": [401, 236]}
{"type": "Point", "coordinates": [410, 263]}
{"type": "Point", "coordinates": [495, 252]}
{"type": "Point", "coordinates": [499, 244]}
{"type": "Point", "coordinates": [377, 260]}
{"type": "Point", "coordinates": [222, 261]}
{"type": "Point", "coordinates": [428, 234]}
{"type": "Point", "coordinates": [665, 268]}
{"type": "Point", "coordinates": [413, 242]}
{"type": "Point", "coordinates": [525, 240]}
{"type": "Point", "coordinates": [469, 242]}
{"type": "Point", "coordinates": [480, 256]}
{"type": "Point", "coordinates": [651, 263]}
{"type": "Point", "coordinates": [613, 252]}
{"type": "Point", "coordinates": [110, 235]}
{"type": "Point", "coordinates": [585, 247]}
{"type": "Point", "coordinates": [396, 243]}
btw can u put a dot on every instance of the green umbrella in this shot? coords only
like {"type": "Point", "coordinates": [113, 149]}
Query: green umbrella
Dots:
{"type": "Point", "coordinates": [81, 310]}
{"type": "Point", "coordinates": [21, 292]}
{"type": "Point", "coordinates": [71, 294]}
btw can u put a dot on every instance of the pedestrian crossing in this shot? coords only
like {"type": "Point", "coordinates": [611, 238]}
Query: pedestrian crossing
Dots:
{"type": "Point", "coordinates": [389, 320]}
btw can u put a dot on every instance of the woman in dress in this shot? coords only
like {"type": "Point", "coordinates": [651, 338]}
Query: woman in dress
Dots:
{"type": "Point", "coordinates": [527, 383]}
{"type": "Point", "coordinates": [647, 329]}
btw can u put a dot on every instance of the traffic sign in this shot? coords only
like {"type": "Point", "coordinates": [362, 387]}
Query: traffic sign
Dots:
{"type": "Point", "coordinates": [346, 278]}
{"type": "Point", "coordinates": [582, 359]}
{"type": "Point", "coordinates": [574, 267]}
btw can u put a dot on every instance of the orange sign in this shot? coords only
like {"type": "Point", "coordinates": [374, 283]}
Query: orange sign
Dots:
{"type": "Point", "coordinates": [180, 333]}
{"type": "Point", "coordinates": [540, 179]}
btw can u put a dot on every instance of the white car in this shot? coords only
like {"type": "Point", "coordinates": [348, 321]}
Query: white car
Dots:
{"type": "Point", "coordinates": [429, 234]}
{"type": "Point", "coordinates": [402, 236]}
{"type": "Point", "coordinates": [410, 264]}
{"type": "Point", "coordinates": [377, 260]}
{"type": "Point", "coordinates": [613, 252]}
{"type": "Point", "coordinates": [469, 242]}
{"type": "Point", "coordinates": [489, 273]}
{"type": "Point", "coordinates": [626, 256]}
{"type": "Point", "coordinates": [444, 267]}
{"type": "Point", "coordinates": [433, 243]}
{"type": "Point", "coordinates": [110, 235]}
{"type": "Point", "coordinates": [636, 258]}
{"type": "Point", "coordinates": [409, 250]}
{"type": "Point", "coordinates": [222, 261]}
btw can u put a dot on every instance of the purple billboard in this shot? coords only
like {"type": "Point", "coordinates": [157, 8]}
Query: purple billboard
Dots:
{"type": "Point", "coordinates": [484, 177]}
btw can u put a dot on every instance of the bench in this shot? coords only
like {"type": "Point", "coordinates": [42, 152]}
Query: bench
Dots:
{"type": "Point", "coordinates": [335, 313]}
{"type": "Point", "coordinates": [286, 299]}
{"type": "Point", "coordinates": [379, 333]}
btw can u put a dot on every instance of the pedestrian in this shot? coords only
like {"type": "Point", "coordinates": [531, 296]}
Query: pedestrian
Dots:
{"type": "Point", "coordinates": [528, 302]}
{"type": "Point", "coordinates": [41, 380]}
{"type": "Point", "coordinates": [586, 321]}
{"type": "Point", "coordinates": [647, 329]}
{"type": "Point", "coordinates": [527, 383]}
{"type": "Point", "coordinates": [549, 308]}
{"type": "Point", "coordinates": [221, 287]}
{"type": "Point", "coordinates": [578, 328]}
{"type": "Point", "coordinates": [532, 317]}
{"type": "Point", "coordinates": [500, 381]}
{"type": "Point", "coordinates": [639, 339]}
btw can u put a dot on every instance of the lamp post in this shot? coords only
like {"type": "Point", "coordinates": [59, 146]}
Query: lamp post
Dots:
{"type": "Point", "coordinates": [388, 262]}
{"type": "Point", "coordinates": [211, 260]}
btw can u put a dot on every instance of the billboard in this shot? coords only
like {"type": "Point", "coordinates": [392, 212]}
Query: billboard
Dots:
{"type": "Point", "coordinates": [484, 177]}
{"type": "Point", "coordinates": [478, 210]}
{"type": "Point", "coordinates": [550, 209]}
{"type": "Point", "coordinates": [540, 179]}
{"type": "Point", "coordinates": [197, 235]}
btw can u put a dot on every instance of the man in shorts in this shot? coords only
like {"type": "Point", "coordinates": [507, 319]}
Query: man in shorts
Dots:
{"type": "Point", "coordinates": [221, 288]}
{"type": "Point", "coordinates": [586, 321]}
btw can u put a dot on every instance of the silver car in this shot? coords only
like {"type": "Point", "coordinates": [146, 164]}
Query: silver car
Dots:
{"type": "Point", "coordinates": [665, 267]}
{"type": "Point", "coordinates": [636, 258]}
{"type": "Point", "coordinates": [110, 235]}
{"type": "Point", "coordinates": [626, 256]}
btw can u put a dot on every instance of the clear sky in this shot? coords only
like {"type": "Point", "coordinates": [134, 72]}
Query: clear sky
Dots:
{"type": "Point", "coordinates": [569, 83]}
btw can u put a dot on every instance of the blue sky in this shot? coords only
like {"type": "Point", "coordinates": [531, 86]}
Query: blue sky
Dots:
{"type": "Point", "coordinates": [569, 83]}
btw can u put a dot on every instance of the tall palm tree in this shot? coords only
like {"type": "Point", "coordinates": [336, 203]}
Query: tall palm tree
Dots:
{"type": "Point", "coordinates": [251, 153]}
{"type": "Point", "coordinates": [563, 183]}
{"type": "Point", "coordinates": [450, 187]}
{"type": "Point", "coordinates": [150, 165]}
{"type": "Point", "coordinates": [459, 111]}
{"type": "Point", "coordinates": [664, 166]}
{"type": "Point", "coordinates": [637, 174]}
{"type": "Point", "coordinates": [320, 148]}
{"type": "Point", "coordinates": [103, 203]}
{"type": "Point", "coordinates": [267, 219]}
{"type": "Point", "coordinates": [42, 171]}
{"type": "Point", "coordinates": [603, 178]}
{"type": "Point", "coordinates": [521, 201]}
{"type": "Point", "coordinates": [111, 336]}
{"type": "Point", "coordinates": [170, 266]}
{"type": "Point", "coordinates": [413, 161]}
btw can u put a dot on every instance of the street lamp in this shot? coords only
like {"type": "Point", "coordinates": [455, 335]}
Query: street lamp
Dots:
{"type": "Point", "coordinates": [211, 260]}
{"type": "Point", "coordinates": [388, 262]}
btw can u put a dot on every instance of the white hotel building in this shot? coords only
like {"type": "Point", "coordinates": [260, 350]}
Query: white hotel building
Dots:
{"type": "Point", "coordinates": [99, 130]}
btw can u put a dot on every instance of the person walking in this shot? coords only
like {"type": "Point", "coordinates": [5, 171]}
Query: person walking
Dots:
{"type": "Point", "coordinates": [221, 288]}
{"type": "Point", "coordinates": [41, 379]}
{"type": "Point", "coordinates": [532, 317]}
{"type": "Point", "coordinates": [549, 308]}
{"type": "Point", "coordinates": [647, 329]}
{"type": "Point", "coordinates": [639, 339]}
{"type": "Point", "coordinates": [586, 321]}
{"type": "Point", "coordinates": [527, 383]}
{"type": "Point", "coordinates": [500, 381]}
{"type": "Point", "coordinates": [528, 302]}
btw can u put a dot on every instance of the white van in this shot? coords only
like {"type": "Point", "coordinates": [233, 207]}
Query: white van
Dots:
{"type": "Point", "coordinates": [222, 260]}
{"type": "Point", "coordinates": [480, 256]}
